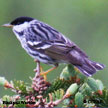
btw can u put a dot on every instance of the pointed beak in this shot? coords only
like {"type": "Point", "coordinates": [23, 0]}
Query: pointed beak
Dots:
{"type": "Point", "coordinates": [7, 25]}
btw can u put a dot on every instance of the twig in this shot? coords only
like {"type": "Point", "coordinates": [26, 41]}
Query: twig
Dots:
{"type": "Point", "coordinates": [37, 70]}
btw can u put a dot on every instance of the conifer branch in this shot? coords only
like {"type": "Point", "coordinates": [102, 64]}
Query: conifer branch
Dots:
{"type": "Point", "coordinates": [72, 89]}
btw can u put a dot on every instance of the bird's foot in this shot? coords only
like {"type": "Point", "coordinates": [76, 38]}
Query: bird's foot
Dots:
{"type": "Point", "coordinates": [44, 74]}
{"type": "Point", "coordinates": [40, 71]}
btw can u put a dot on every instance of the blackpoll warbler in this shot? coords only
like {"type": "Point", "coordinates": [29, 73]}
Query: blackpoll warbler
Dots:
{"type": "Point", "coordinates": [49, 46]}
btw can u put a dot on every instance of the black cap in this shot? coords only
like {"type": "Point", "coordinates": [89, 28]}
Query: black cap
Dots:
{"type": "Point", "coordinates": [21, 20]}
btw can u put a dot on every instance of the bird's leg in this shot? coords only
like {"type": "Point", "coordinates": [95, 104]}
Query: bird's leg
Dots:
{"type": "Point", "coordinates": [49, 70]}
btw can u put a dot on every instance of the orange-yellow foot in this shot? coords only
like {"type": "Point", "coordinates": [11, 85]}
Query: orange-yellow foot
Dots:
{"type": "Point", "coordinates": [44, 74]}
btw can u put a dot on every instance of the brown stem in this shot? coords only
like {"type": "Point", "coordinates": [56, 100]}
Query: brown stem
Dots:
{"type": "Point", "coordinates": [37, 70]}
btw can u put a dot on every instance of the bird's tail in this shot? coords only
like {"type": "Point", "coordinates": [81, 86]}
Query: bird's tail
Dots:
{"type": "Point", "coordinates": [90, 67]}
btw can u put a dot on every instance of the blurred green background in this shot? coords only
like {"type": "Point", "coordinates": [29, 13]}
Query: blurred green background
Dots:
{"type": "Point", "coordinates": [84, 21]}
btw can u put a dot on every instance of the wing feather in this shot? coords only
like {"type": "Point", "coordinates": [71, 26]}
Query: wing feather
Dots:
{"type": "Point", "coordinates": [51, 41]}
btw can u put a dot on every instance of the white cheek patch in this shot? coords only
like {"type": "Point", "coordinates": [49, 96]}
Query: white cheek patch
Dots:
{"type": "Point", "coordinates": [21, 27]}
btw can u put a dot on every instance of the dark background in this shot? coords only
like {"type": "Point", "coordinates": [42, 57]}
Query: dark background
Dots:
{"type": "Point", "coordinates": [84, 21]}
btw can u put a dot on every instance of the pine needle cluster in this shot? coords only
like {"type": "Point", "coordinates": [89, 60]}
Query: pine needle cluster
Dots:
{"type": "Point", "coordinates": [71, 89]}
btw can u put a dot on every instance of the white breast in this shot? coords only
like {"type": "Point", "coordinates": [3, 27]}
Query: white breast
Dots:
{"type": "Point", "coordinates": [20, 28]}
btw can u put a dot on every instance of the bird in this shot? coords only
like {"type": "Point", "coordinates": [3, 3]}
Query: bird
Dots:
{"type": "Point", "coordinates": [49, 46]}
